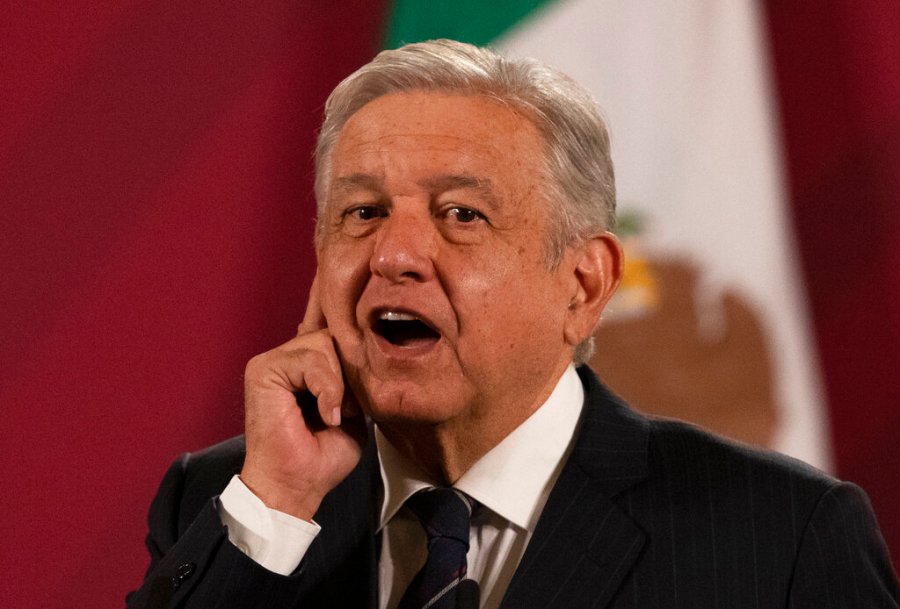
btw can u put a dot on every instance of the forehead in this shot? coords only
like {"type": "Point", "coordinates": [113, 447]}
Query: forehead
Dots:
{"type": "Point", "coordinates": [419, 132]}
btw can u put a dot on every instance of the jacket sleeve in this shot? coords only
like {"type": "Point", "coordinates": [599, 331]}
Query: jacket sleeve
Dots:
{"type": "Point", "coordinates": [842, 560]}
{"type": "Point", "coordinates": [192, 563]}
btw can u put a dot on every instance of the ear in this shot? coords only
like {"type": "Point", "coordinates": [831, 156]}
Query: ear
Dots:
{"type": "Point", "coordinates": [598, 269]}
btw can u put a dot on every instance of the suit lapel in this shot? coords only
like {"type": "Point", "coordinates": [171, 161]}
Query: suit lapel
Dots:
{"type": "Point", "coordinates": [584, 545]}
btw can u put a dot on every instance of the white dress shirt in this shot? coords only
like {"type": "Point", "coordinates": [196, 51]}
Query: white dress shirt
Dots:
{"type": "Point", "coordinates": [511, 483]}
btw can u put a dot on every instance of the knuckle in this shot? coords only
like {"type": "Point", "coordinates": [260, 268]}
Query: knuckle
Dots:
{"type": "Point", "coordinates": [304, 357]}
{"type": "Point", "coordinates": [321, 339]}
{"type": "Point", "coordinates": [255, 366]}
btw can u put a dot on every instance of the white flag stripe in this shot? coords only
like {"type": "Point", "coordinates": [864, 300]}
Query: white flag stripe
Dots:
{"type": "Point", "coordinates": [686, 89]}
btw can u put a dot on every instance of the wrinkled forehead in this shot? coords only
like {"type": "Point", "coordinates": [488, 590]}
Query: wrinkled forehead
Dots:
{"type": "Point", "coordinates": [333, 128]}
{"type": "Point", "coordinates": [444, 133]}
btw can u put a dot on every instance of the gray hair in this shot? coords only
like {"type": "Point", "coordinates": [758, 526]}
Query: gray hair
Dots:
{"type": "Point", "coordinates": [578, 168]}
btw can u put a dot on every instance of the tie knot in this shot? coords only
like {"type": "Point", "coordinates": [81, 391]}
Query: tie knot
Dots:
{"type": "Point", "coordinates": [443, 512]}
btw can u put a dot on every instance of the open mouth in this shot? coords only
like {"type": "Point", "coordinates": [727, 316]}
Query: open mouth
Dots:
{"type": "Point", "coordinates": [404, 329]}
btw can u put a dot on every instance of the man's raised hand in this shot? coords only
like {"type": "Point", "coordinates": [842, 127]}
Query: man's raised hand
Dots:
{"type": "Point", "coordinates": [298, 447]}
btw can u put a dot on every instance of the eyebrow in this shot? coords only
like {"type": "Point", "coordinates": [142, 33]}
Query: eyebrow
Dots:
{"type": "Point", "coordinates": [437, 184]}
{"type": "Point", "coordinates": [443, 183]}
{"type": "Point", "coordinates": [358, 181]}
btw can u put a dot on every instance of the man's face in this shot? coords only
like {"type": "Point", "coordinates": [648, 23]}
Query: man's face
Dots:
{"type": "Point", "coordinates": [432, 262]}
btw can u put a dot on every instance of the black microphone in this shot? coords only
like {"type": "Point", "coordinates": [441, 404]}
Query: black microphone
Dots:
{"type": "Point", "coordinates": [468, 594]}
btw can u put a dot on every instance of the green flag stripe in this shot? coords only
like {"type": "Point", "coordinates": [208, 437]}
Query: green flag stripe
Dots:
{"type": "Point", "coordinates": [475, 21]}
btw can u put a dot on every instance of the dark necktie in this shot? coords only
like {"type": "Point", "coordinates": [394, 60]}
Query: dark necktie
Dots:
{"type": "Point", "coordinates": [445, 515]}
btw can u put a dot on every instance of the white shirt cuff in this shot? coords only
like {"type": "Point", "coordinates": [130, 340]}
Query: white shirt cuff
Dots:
{"type": "Point", "coordinates": [275, 540]}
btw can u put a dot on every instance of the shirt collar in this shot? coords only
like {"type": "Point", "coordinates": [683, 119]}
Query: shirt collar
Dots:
{"type": "Point", "coordinates": [514, 478]}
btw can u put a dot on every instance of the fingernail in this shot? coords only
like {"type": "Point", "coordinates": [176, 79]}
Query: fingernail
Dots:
{"type": "Point", "coordinates": [336, 416]}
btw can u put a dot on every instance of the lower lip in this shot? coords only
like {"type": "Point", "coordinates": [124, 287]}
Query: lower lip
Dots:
{"type": "Point", "coordinates": [410, 350]}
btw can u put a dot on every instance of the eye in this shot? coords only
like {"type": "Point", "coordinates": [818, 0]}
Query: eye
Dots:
{"type": "Point", "coordinates": [365, 212]}
{"type": "Point", "coordinates": [362, 219]}
{"type": "Point", "coordinates": [464, 215]}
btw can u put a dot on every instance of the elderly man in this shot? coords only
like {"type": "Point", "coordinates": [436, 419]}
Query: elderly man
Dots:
{"type": "Point", "coordinates": [427, 434]}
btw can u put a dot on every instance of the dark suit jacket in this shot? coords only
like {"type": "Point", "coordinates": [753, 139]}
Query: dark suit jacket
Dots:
{"type": "Point", "coordinates": [646, 514]}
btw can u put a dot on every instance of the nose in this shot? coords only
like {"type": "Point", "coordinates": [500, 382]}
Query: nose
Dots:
{"type": "Point", "coordinates": [404, 249]}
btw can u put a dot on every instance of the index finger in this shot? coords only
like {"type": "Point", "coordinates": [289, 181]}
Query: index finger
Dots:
{"type": "Point", "coordinates": [314, 318]}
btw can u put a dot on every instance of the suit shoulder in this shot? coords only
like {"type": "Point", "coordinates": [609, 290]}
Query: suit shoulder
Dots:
{"type": "Point", "coordinates": [207, 472]}
{"type": "Point", "coordinates": [678, 453]}
{"type": "Point", "coordinates": [228, 454]}
{"type": "Point", "coordinates": [687, 452]}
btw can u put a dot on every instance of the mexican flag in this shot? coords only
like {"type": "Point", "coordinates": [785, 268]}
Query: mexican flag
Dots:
{"type": "Point", "coordinates": [156, 180]}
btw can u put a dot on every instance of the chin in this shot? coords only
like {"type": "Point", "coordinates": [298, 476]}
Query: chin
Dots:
{"type": "Point", "coordinates": [406, 403]}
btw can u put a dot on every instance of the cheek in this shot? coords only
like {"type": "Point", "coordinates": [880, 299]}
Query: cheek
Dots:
{"type": "Point", "coordinates": [502, 302]}
{"type": "Point", "coordinates": [342, 275]}
{"type": "Point", "coordinates": [478, 283]}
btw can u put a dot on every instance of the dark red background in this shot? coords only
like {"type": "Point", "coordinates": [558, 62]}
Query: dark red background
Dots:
{"type": "Point", "coordinates": [157, 227]}
{"type": "Point", "coordinates": [837, 67]}
{"type": "Point", "coordinates": [155, 183]}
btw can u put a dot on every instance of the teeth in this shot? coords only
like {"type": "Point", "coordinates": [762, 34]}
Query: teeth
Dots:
{"type": "Point", "coordinates": [396, 316]}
